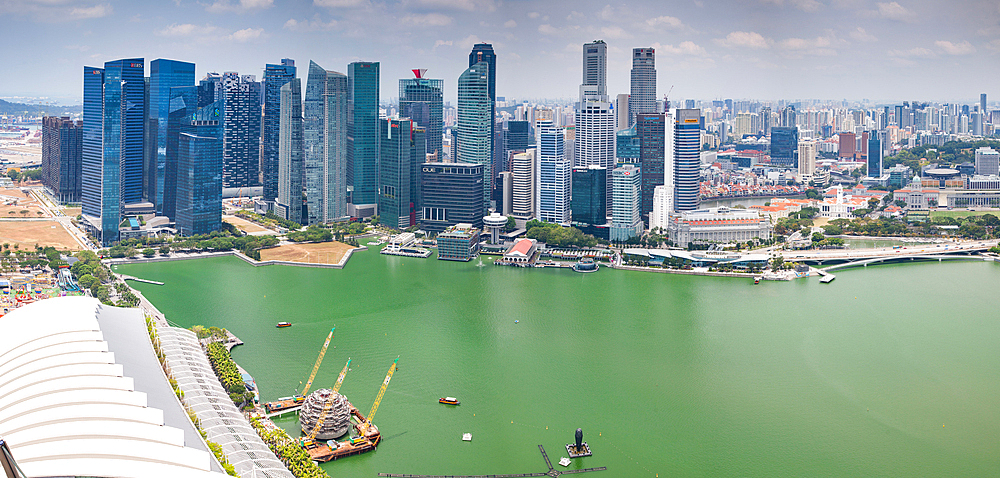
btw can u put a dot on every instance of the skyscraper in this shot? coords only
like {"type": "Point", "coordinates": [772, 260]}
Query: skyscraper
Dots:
{"type": "Point", "coordinates": [621, 112]}
{"type": "Point", "coordinates": [114, 115]}
{"type": "Point", "coordinates": [687, 159]}
{"type": "Point", "coordinates": [874, 155]}
{"type": "Point", "coordinates": [784, 145]}
{"type": "Point", "coordinates": [241, 130]}
{"type": "Point", "coordinates": [651, 129]}
{"type": "Point", "coordinates": [421, 99]}
{"type": "Point", "coordinates": [275, 76]}
{"type": "Point", "coordinates": [163, 75]}
{"type": "Point", "coordinates": [554, 171]}
{"type": "Point", "coordinates": [475, 123]}
{"type": "Point", "coordinates": [199, 170]}
{"type": "Point", "coordinates": [643, 96]}
{"type": "Point", "coordinates": [291, 171]}
{"type": "Point", "coordinates": [324, 134]}
{"type": "Point", "coordinates": [982, 103]}
{"type": "Point", "coordinates": [62, 157]}
{"type": "Point", "coordinates": [483, 52]}
{"type": "Point", "coordinates": [523, 178]}
{"type": "Point", "coordinates": [449, 194]}
{"type": "Point", "coordinates": [807, 158]}
{"type": "Point", "coordinates": [595, 133]}
{"type": "Point", "coordinates": [401, 151]}
{"type": "Point", "coordinates": [363, 131]}
{"type": "Point", "coordinates": [625, 220]}
{"type": "Point", "coordinates": [589, 200]}
{"type": "Point", "coordinates": [595, 65]}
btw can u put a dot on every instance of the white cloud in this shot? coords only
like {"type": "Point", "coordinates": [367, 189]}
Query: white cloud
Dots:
{"type": "Point", "coordinates": [895, 11]}
{"type": "Point", "coordinates": [97, 11]}
{"type": "Point", "coordinates": [467, 42]}
{"type": "Point", "coordinates": [246, 34]}
{"type": "Point", "coordinates": [427, 20]}
{"type": "Point", "coordinates": [665, 22]}
{"type": "Point", "coordinates": [339, 3]}
{"type": "Point", "coordinates": [964, 48]}
{"type": "Point", "coordinates": [575, 15]}
{"type": "Point", "coordinates": [915, 52]}
{"type": "Point", "coordinates": [546, 29]}
{"type": "Point", "coordinates": [221, 6]}
{"type": "Point", "coordinates": [316, 24]}
{"type": "Point", "coordinates": [186, 30]}
{"type": "Point", "coordinates": [533, 15]}
{"type": "Point", "coordinates": [804, 5]}
{"type": "Point", "coordinates": [863, 36]}
{"type": "Point", "coordinates": [685, 48]}
{"type": "Point", "coordinates": [442, 43]}
{"type": "Point", "coordinates": [614, 33]}
{"type": "Point", "coordinates": [745, 40]}
{"type": "Point", "coordinates": [450, 5]}
{"type": "Point", "coordinates": [510, 24]}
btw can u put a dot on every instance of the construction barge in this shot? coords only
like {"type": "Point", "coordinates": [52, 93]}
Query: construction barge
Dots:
{"type": "Point", "coordinates": [363, 442]}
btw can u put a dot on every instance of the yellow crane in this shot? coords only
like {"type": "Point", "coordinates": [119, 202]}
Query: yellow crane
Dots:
{"type": "Point", "coordinates": [364, 427]}
{"type": "Point", "coordinates": [319, 360]}
{"type": "Point", "coordinates": [329, 404]}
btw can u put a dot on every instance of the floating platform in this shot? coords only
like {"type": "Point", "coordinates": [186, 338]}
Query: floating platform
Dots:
{"type": "Point", "coordinates": [324, 452]}
{"type": "Point", "coordinates": [575, 452]}
{"type": "Point", "coordinates": [828, 278]}
{"type": "Point", "coordinates": [283, 405]}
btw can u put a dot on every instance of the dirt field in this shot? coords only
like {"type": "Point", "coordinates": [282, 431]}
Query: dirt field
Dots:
{"type": "Point", "coordinates": [43, 233]}
{"type": "Point", "coordinates": [317, 253]}
{"type": "Point", "coordinates": [72, 211]}
{"type": "Point", "coordinates": [24, 202]}
{"type": "Point", "coordinates": [244, 225]}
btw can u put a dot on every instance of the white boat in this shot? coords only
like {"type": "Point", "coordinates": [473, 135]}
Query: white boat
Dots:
{"type": "Point", "coordinates": [466, 437]}
{"type": "Point", "coordinates": [564, 461]}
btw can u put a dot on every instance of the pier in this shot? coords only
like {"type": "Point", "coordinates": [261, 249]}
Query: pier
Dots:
{"type": "Point", "coordinates": [125, 277]}
{"type": "Point", "coordinates": [552, 471]}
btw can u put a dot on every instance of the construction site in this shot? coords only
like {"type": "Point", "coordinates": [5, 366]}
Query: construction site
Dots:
{"type": "Point", "coordinates": [332, 427]}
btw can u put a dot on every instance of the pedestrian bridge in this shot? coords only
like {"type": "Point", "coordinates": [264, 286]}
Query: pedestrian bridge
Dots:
{"type": "Point", "coordinates": [907, 258]}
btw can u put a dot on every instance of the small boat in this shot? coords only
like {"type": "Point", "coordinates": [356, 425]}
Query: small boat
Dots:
{"type": "Point", "coordinates": [466, 437]}
{"type": "Point", "coordinates": [756, 280]}
{"type": "Point", "coordinates": [564, 461]}
{"type": "Point", "coordinates": [449, 401]}
{"type": "Point", "coordinates": [282, 325]}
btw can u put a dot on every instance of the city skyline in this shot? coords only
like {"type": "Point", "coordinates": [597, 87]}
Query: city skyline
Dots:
{"type": "Point", "coordinates": [773, 49]}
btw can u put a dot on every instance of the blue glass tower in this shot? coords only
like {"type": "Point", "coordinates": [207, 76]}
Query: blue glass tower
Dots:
{"type": "Point", "coordinates": [784, 146]}
{"type": "Point", "coordinates": [193, 182]}
{"type": "Point", "coordinates": [473, 134]}
{"type": "Point", "coordinates": [483, 52]}
{"type": "Point", "coordinates": [275, 76]}
{"type": "Point", "coordinates": [363, 130]}
{"type": "Point", "coordinates": [874, 155]}
{"type": "Point", "coordinates": [325, 142]}
{"type": "Point", "coordinates": [163, 75]}
{"type": "Point", "coordinates": [687, 159]}
{"type": "Point", "coordinates": [421, 99]}
{"type": "Point", "coordinates": [291, 172]}
{"type": "Point", "coordinates": [401, 152]}
{"type": "Point", "coordinates": [125, 86]}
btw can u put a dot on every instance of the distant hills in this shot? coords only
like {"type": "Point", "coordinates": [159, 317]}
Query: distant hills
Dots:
{"type": "Point", "coordinates": [8, 108]}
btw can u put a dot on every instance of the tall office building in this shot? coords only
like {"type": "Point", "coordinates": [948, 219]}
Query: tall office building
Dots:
{"type": "Point", "coordinates": [625, 211]}
{"type": "Point", "coordinates": [200, 169]}
{"type": "Point", "coordinates": [807, 158]}
{"type": "Point", "coordinates": [589, 200]}
{"type": "Point", "coordinates": [449, 194]}
{"type": "Point", "coordinates": [987, 161]}
{"type": "Point", "coordinates": [62, 158]}
{"type": "Point", "coordinates": [114, 120]}
{"type": "Point", "coordinates": [784, 145]}
{"type": "Point", "coordinates": [621, 112]}
{"type": "Point", "coordinates": [363, 131]}
{"type": "Point", "coordinates": [687, 159]}
{"type": "Point", "coordinates": [402, 146]}
{"type": "Point", "coordinates": [483, 53]}
{"type": "Point", "coordinates": [275, 76]}
{"type": "Point", "coordinates": [627, 145]}
{"type": "Point", "coordinates": [163, 75]}
{"type": "Point", "coordinates": [241, 130]}
{"type": "Point", "coordinates": [421, 100]}
{"type": "Point", "coordinates": [291, 168]}
{"type": "Point", "coordinates": [982, 103]}
{"type": "Point", "coordinates": [553, 173]}
{"type": "Point", "coordinates": [594, 143]}
{"type": "Point", "coordinates": [651, 130]}
{"type": "Point", "coordinates": [643, 94]}
{"type": "Point", "coordinates": [324, 137]}
{"type": "Point", "coordinates": [595, 65]}
{"type": "Point", "coordinates": [475, 123]}
{"type": "Point", "coordinates": [874, 155]}
{"type": "Point", "coordinates": [523, 179]}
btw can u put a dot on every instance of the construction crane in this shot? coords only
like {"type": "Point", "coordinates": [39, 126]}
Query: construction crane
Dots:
{"type": "Point", "coordinates": [329, 405]}
{"type": "Point", "coordinates": [364, 427]}
{"type": "Point", "coordinates": [319, 360]}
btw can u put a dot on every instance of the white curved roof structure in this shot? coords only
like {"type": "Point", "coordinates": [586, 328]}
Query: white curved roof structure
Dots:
{"type": "Point", "coordinates": [70, 405]}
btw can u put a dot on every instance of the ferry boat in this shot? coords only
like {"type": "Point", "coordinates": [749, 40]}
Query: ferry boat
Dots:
{"type": "Point", "coordinates": [282, 325]}
{"type": "Point", "coordinates": [449, 401]}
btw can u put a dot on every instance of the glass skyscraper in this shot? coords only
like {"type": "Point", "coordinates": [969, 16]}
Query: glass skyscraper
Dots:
{"type": "Point", "coordinates": [784, 146]}
{"type": "Point", "coordinates": [450, 193]}
{"type": "Point", "coordinates": [241, 130]}
{"type": "Point", "coordinates": [687, 159]}
{"type": "Point", "coordinates": [275, 76]}
{"type": "Point", "coordinates": [420, 99]}
{"type": "Point", "coordinates": [483, 52]}
{"type": "Point", "coordinates": [199, 170]}
{"type": "Point", "coordinates": [473, 135]}
{"type": "Point", "coordinates": [595, 65]}
{"type": "Point", "coordinates": [625, 220]}
{"type": "Point", "coordinates": [401, 149]}
{"type": "Point", "coordinates": [324, 134]}
{"type": "Point", "coordinates": [589, 201]}
{"type": "Point", "coordinates": [363, 131]}
{"type": "Point", "coordinates": [874, 155]}
{"type": "Point", "coordinates": [643, 95]}
{"type": "Point", "coordinates": [290, 161]}
{"type": "Point", "coordinates": [163, 75]}
{"type": "Point", "coordinates": [650, 128]}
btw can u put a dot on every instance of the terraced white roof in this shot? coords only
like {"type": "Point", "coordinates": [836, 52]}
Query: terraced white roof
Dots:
{"type": "Point", "coordinates": [68, 408]}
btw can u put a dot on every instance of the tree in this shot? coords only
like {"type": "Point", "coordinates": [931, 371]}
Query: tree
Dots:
{"type": "Point", "coordinates": [165, 249]}
{"type": "Point", "coordinates": [777, 263]}
{"type": "Point", "coordinates": [832, 230]}
{"type": "Point", "coordinates": [873, 203]}
{"type": "Point", "coordinates": [148, 252]}
{"type": "Point", "coordinates": [818, 236]}
{"type": "Point", "coordinates": [511, 224]}
{"type": "Point", "coordinates": [900, 203]}
{"type": "Point", "coordinates": [860, 212]}
{"type": "Point", "coordinates": [812, 193]}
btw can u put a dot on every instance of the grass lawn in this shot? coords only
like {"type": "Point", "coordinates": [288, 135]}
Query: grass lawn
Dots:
{"type": "Point", "coordinates": [963, 213]}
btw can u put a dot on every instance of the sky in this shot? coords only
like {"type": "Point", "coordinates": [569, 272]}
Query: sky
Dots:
{"type": "Point", "coordinates": [927, 50]}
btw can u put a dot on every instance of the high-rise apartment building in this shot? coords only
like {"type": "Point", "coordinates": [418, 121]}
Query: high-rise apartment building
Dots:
{"type": "Point", "coordinates": [651, 130]}
{"type": "Point", "coordinates": [643, 95]}
{"type": "Point", "coordinates": [784, 145]}
{"type": "Point", "coordinates": [663, 205]}
{"type": "Point", "coordinates": [114, 120]}
{"type": "Point", "coordinates": [422, 100]}
{"type": "Point", "coordinates": [554, 172]}
{"type": "Point", "coordinates": [523, 179]}
{"type": "Point", "coordinates": [595, 65]}
{"type": "Point", "coordinates": [848, 145]}
{"type": "Point", "coordinates": [62, 158]}
{"type": "Point", "coordinates": [163, 75]}
{"type": "Point", "coordinates": [363, 131]}
{"type": "Point", "coordinates": [291, 167]}
{"type": "Point", "coordinates": [402, 146]}
{"type": "Point", "coordinates": [450, 193]}
{"type": "Point", "coordinates": [241, 130]}
{"type": "Point", "coordinates": [473, 136]}
{"type": "Point", "coordinates": [483, 53]}
{"type": "Point", "coordinates": [687, 159]}
{"type": "Point", "coordinates": [589, 200]}
{"type": "Point", "coordinates": [324, 137]}
{"type": "Point", "coordinates": [275, 76]}
{"type": "Point", "coordinates": [625, 212]}
{"type": "Point", "coordinates": [807, 158]}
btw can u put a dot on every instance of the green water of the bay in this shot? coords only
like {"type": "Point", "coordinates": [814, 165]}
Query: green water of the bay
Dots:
{"type": "Point", "coordinates": [887, 371]}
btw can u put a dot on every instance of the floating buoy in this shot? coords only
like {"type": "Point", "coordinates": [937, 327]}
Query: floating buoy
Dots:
{"type": "Point", "coordinates": [516, 321]}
